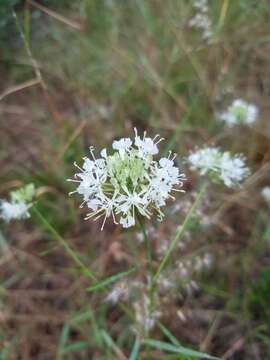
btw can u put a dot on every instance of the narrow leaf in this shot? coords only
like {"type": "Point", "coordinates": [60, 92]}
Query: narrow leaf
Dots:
{"type": "Point", "coordinates": [80, 345]}
{"type": "Point", "coordinates": [168, 334]}
{"type": "Point", "coordinates": [135, 350]}
{"type": "Point", "coordinates": [177, 349]}
{"type": "Point", "coordinates": [109, 280]}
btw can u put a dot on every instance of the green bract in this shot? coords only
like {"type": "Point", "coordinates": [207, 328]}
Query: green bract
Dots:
{"type": "Point", "coordinates": [128, 170]}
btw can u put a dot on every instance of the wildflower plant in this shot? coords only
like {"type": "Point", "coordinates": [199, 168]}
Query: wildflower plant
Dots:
{"type": "Point", "coordinates": [239, 112]}
{"type": "Point", "coordinates": [221, 166]}
{"type": "Point", "coordinates": [18, 206]}
{"type": "Point", "coordinates": [128, 181]}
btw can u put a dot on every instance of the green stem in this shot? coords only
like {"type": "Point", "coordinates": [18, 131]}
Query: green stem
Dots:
{"type": "Point", "coordinates": [66, 246]}
{"type": "Point", "coordinates": [151, 273]}
{"type": "Point", "coordinates": [148, 246]}
{"type": "Point", "coordinates": [179, 234]}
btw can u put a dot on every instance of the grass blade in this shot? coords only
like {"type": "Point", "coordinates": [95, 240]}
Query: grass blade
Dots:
{"type": "Point", "coordinates": [63, 242]}
{"type": "Point", "coordinates": [168, 334]}
{"type": "Point", "coordinates": [177, 349]}
{"type": "Point", "coordinates": [109, 280]}
{"type": "Point", "coordinates": [112, 345]}
{"type": "Point", "coordinates": [180, 231]}
{"type": "Point", "coordinates": [63, 340]}
{"type": "Point", "coordinates": [135, 350]}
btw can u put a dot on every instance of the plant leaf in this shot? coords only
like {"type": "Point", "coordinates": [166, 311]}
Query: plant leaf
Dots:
{"type": "Point", "coordinates": [109, 280]}
{"type": "Point", "coordinates": [135, 350]}
{"type": "Point", "coordinates": [177, 349]}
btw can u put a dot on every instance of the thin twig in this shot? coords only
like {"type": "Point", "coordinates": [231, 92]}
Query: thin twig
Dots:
{"type": "Point", "coordinates": [53, 110]}
{"type": "Point", "coordinates": [238, 345]}
{"type": "Point", "coordinates": [56, 16]}
{"type": "Point", "coordinates": [19, 87]}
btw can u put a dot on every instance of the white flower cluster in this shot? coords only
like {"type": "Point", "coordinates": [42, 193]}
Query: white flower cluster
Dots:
{"type": "Point", "coordinates": [14, 210]}
{"type": "Point", "coordinates": [19, 204]}
{"type": "Point", "coordinates": [201, 20]}
{"type": "Point", "coordinates": [119, 291]}
{"type": "Point", "coordinates": [182, 277]}
{"type": "Point", "coordinates": [222, 166]}
{"type": "Point", "coordinates": [136, 291]}
{"type": "Point", "coordinates": [239, 112]}
{"type": "Point", "coordinates": [129, 182]}
{"type": "Point", "coordinates": [145, 318]}
{"type": "Point", "coordinates": [266, 193]}
{"type": "Point", "coordinates": [170, 285]}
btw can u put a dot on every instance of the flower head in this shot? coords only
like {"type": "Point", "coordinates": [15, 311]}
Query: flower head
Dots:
{"type": "Point", "coordinates": [240, 112]}
{"type": "Point", "coordinates": [119, 291]}
{"type": "Point", "coordinates": [19, 204]}
{"type": "Point", "coordinates": [128, 182]}
{"type": "Point", "coordinates": [201, 19]}
{"type": "Point", "coordinates": [204, 160]}
{"type": "Point", "coordinates": [14, 210]}
{"type": "Point", "coordinates": [222, 166]}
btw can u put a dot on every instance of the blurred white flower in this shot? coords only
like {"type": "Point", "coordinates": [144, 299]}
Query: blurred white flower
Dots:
{"type": "Point", "coordinates": [19, 204]}
{"type": "Point", "coordinates": [202, 262]}
{"type": "Point", "coordinates": [232, 169]}
{"type": "Point", "coordinates": [204, 160]}
{"type": "Point", "coordinates": [222, 166]}
{"type": "Point", "coordinates": [145, 318]}
{"type": "Point", "coordinates": [120, 290]}
{"type": "Point", "coordinates": [129, 182]}
{"type": "Point", "coordinates": [266, 193]}
{"type": "Point", "coordinates": [164, 283]}
{"type": "Point", "coordinates": [240, 112]}
{"type": "Point", "coordinates": [201, 5]}
{"type": "Point", "coordinates": [14, 210]}
{"type": "Point", "coordinates": [201, 19]}
{"type": "Point", "coordinates": [191, 286]}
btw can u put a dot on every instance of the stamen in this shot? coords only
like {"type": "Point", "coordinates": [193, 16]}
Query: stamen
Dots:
{"type": "Point", "coordinates": [161, 139]}
{"type": "Point", "coordinates": [77, 166]}
{"type": "Point", "coordinates": [82, 204]}
{"type": "Point", "coordinates": [144, 135]}
{"type": "Point", "coordinates": [92, 149]}
{"type": "Point", "coordinates": [114, 220]}
{"type": "Point", "coordinates": [102, 226]}
{"type": "Point", "coordinates": [73, 180]}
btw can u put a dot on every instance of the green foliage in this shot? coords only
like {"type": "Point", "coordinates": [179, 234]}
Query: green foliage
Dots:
{"type": "Point", "coordinates": [259, 296]}
{"type": "Point", "coordinates": [177, 349]}
{"type": "Point", "coordinates": [7, 26]}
